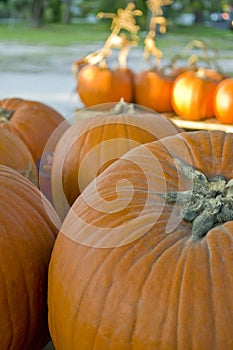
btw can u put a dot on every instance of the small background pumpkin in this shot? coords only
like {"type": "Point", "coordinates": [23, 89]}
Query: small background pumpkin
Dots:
{"type": "Point", "coordinates": [223, 101]}
{"type": "Point", "coordinates": [193, 94]}
{"type": "Point", "coordinates": [98, 85]}
{"type": "Point", "coordinates": [153, 88]}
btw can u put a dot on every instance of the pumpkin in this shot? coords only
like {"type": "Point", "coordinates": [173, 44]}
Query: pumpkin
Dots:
{"type": "Point", "coordinates": [215, 74]}
{"type": "Point", "coordinates": [197, 61]}
{"type": "Point", "coordinates": [35, 123]}
{"type": "Point", "coordinates": [192, 95]}
{"type": "Point", "coordinates": [15, 154]}
{"type": "Point", "coordinates": [208, 72]}
{"type": "Point", "coordinates": [29, 226]}
{"type": "Point", "coordinates": [98, 85]}
{"type": "Point", "coordinates": [152, 89]}
{"type": "Point", "coordinates": [127, 270]}
{"type": "Point", "coordinates": [92, 143]}
{"type": "Point", "coordinates": [223, 101]}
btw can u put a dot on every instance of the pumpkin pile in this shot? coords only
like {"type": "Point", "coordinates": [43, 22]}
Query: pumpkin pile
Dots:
{"type": "Point", "coordinates": [143, 248]}
{"type": "Point", "coordinates": [117, 229]}
{"type": "Point", "coordinates": [36, 143]}
{"type": "Point", "coordinates": [29, 223]}
{"type": "Point", "coordinates": [188, 91]}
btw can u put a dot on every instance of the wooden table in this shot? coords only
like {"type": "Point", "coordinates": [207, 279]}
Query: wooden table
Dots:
{"type": "Point", "coordinates": [208, 124]}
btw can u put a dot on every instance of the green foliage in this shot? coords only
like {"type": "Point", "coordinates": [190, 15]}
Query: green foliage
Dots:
{"type": "Point", "coordinates": [111, 5]}
{"type": "Point", "coordinates": [19, 8]}
{"type": "Point", "coordinates": [53, 11]}
{"type": "Point", "coordinates": [54, 8]}
{"type": "Point", "coordinates": [142, 20]}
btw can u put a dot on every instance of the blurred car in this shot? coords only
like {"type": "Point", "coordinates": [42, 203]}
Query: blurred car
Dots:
{"type": "Point", "coordinates": [222, 19]}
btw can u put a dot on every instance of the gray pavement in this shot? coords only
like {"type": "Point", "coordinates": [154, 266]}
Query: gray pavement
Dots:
{"type": "Point", "coordinates": [44, 73]}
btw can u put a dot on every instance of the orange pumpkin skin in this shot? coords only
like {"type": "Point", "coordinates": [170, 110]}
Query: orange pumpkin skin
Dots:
{"type": "Point", "coordinates": [210, 73]}
{"type": "Point", "coordinates": [29, 227]}
{"type": "Point", "coordinates": [98, 85]}
{"type": "Point", "coordinates": [15, 154]}
{"type": "Point", "coordinates": [223, 101]}
{"type": "Point", "coordinates": [215, 74]}
{"type": "Point", "coordinates": [153, 90]}
{"type": "Point", "coordinates": [34, 123]}
{"type": "Point", "coordinates": [93, 143]}
{"type": "Point", "coordinates": [192, 96]}
{"type": "Point", "coordinates": [162, 290]}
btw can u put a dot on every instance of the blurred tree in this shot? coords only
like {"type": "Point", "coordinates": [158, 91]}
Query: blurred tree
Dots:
{"type": "Point", "coordinates": [87, 7]}
{"type": "Point", "coordinates": [17, 9]}
{"type": "Point", "coordinates": [37, 13]}
{"type": "Point", "coordinates": [143, 21]}
{"type": "Point", "coordinates": [66, 11]}
{"type": "Point", "coordinates": [63, 10]}
{"type": "Point", "coordinates": [227, 3]}
{"type": "Point", "coordinates": [53, 11]}
{"type": "Point", "coordinates": [111, 5]}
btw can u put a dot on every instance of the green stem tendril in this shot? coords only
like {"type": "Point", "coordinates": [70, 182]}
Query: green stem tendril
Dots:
{"type": "Point", "coordinates": [208, 203]}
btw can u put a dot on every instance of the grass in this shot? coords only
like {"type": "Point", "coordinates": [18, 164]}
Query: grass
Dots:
{"type": "Point", "coordinates": [66, 35]}
{"type": "Point", "coordinates": [54, 34]}
{"type": "Point", "coordinates": [59, 37]}
{"type": "Point", "coordinates": [214, 38]}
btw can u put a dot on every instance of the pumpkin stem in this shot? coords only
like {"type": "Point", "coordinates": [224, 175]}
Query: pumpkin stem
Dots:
{"type": "Point", "coordinates": [5, 115]}
{"type": "Point", "coordinates": [208, 203]}
{"type": "Point", "coordinates": [123, 107]}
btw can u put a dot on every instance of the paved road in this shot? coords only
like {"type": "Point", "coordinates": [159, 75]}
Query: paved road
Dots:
{"type": "Point", "coordinates": [44, 73]}
{"type": "Point", "coordinates": [40, 73]}
{"type": "Point", "coordinates": [53, 89]}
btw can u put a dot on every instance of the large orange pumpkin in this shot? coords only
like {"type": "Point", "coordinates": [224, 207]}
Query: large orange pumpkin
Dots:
{"type": "Point", "coordinates": [153, 88]}
{"type": "Point", "coordinates": [128, 272]}
{"type": "Point", "coordinates": [192, 95]}
{"type": "Point", "coordinates": [94, 142]}
{"type": "Point", "coordinates": [28, 229]}
{"type": "Point", "coordinates": [98, 85]}
{"type": "Point", "coordinates": [15, 154]}
{"type": "Point", "coordinates": [223, 101]}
